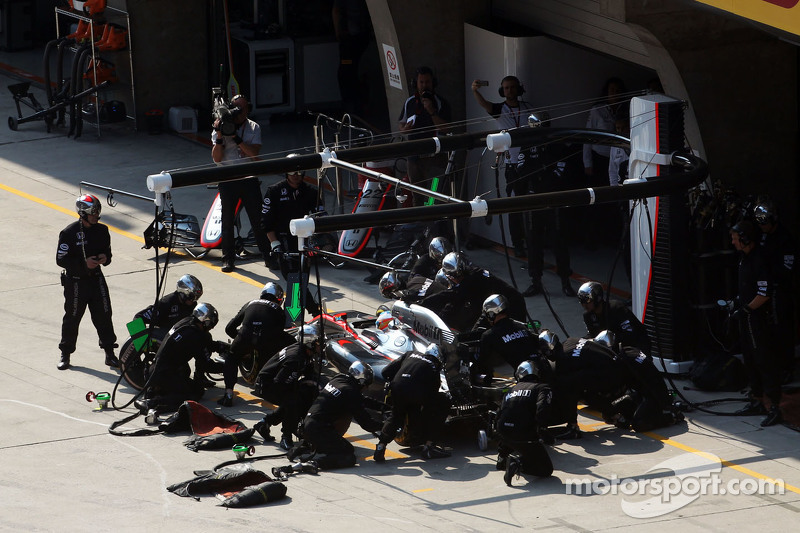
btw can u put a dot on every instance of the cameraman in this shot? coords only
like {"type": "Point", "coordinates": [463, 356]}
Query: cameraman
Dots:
{"type": "Point", "coordinates": [231, 143]}
{"type": "Point", "coordinates": [425, 114]}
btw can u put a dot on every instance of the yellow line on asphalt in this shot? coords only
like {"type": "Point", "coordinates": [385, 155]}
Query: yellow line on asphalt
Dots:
{"type": "Point", "coordinates": [689, 449]}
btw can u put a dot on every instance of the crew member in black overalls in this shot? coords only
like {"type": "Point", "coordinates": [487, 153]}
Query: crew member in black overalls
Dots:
{"type": "Point", "coordinates": [169, 381]}
{"type": "Point", "coordinates": [583, 369]}
{"type": "Point", "coordinates": [285, 380]}
{"type": "Point", "coordinates": [414, 384]}
{"type": "Point", "coordinates": [286, 200]}
{"type": "Point", "coordinates": [174, 306]}
{"type": "Point", "coordinates": [339, 402]}
{"type": "Point", "coordinates": [508, 340]}
{"type": "Point", "coordinates": [601, 314]}
{"type": "Point", "coordinates": [257, 326]}
{"type": "Point", "coordinates": [521, 424]}
{"type": "Point", "coordinates": [83, 247]}
{"type": "Point", "coordinates": [780, 250]}
{"type": "Point", "coordinates": [754, 314]}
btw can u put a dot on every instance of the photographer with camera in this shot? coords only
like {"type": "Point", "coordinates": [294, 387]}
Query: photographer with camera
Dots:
{"type": "Point", "coordinates": [424, 114]}
{"type": "Point", "coordinates": [236, 137]}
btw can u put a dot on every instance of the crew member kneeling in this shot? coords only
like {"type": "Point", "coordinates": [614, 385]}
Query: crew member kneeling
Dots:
{"type": "Point", "coordinates": [521, 425]}
{"type": "Point", "coordinates": [169, 381]}
{"type": "Point", "coordinates": [338, 403]}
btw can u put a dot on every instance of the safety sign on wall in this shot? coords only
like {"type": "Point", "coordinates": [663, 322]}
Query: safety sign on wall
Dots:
{"type": "Point", "coordinates": [392, 67]}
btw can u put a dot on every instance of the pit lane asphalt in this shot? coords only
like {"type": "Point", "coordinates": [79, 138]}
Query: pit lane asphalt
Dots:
{"type": "Point", "coordinates": [62, 470]}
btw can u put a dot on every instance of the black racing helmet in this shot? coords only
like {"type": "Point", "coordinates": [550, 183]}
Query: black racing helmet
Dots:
{"type": "Point", "coordinates": [494, 305]}
{"type": "Point", "coordinates": [438, 248]}
{"type": "Point", "coordinates": [765, 213]}
{"type": "Point", "coordinates": [434, 350]}
{"type": "Point", "coordinates": [272, 291]}
{"type": "Point", "coordinates": [590, 292]}
{"type": "Point", "coordinates": [442, 279]}
{"type": "Point", "coordinates": [746, 230]}
{"type": "Point", "coordinates": [454, 266]}
{"type": "Point", "coordinates": [206, 315]}
{"type": "Point", "coordinates": [389, 283]}
{"type": "Point", "coordinates": [362, 373]}
{"type": "Point", "coordinates": [88, 204]}
{"type": "Point", "coordinates": [526, 369]}
{"type": "Point", "coordinates": [189, 287]}
{"type": "Point", "coordinates": [549, 344]}
{"type": "Point", "coordinates": [606, 338]}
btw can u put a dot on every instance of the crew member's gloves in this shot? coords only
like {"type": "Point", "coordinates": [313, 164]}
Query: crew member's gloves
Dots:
{"type": "Point", "coordinates": [221, 347]}
{"type": "Point", "coordinates": [277, 247]}
{"type": "Point", "coordinates": [742, 312]}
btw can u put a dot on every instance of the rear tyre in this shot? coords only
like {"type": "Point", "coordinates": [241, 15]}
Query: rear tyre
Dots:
{"type": "Point", "coordinates": [134, 363]}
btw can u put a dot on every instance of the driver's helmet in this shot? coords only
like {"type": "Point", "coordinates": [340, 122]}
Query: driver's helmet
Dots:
{"type": "Point", "coordinates": [189, 288]}
{"type": "Point", "coordinates": [385, 321]}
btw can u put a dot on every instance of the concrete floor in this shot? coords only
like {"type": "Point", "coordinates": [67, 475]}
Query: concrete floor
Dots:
{"type": "Point", "coordinates": [62, 470]}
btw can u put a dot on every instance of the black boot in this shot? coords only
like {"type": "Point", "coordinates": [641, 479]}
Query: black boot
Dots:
{"type": "Point", "coordinates": [63, 363]}
{"type": "Point", "coordinates": [773, 417]}
{"type": "Point", "coordinates": [111, 359]}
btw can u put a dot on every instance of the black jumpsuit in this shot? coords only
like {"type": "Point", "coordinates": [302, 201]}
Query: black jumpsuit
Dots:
{"type": "Point", "coordinates": [513, 342]}
{"type": "Point", "coordinates": [261, 324]}
{"type": "Point", "coordinates": [586, 369]}
{"type": "Point", "coordinates": [337, 402]}
{"type": "Point", "coordinates": [756, 328]}
{"type": "Point", "coordinates": [167, 311]}
{"type": "Point", "coordinates": [281, 382]}
{"type": "Point", "coordinates": [620, 320]}
{"type": "Point", "coordinates": [524, 409]}
{"type": "Point", "coordinates": [282, 203]}
{"type": "Point", "coordinates": [651, 405]}
{"type": "Point", "coordinates": [169, 381]}
{"type": "Point", "coordinates": [84, 287]}
{"type": "Point", "coordinates": [780, 250]}
{"type": "Point", "coordinates": [415, 380]}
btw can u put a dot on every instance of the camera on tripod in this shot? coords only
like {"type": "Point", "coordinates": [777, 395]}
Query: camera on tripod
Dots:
{"type": "Point", "coordinates": [224, 112]}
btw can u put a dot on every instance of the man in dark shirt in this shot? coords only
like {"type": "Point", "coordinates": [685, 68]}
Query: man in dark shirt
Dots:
{"type": "Point", "coordinates": [414, 383]}
{"type": "Point", "coordinates": [175, 306]}
{"type": "Point", "coordinates": [286, 200]}
{"type": "Point", "coordinates": [508, 340]}
{"type": "Point", "coordinates": [168, 382]}
{"type": "Point", "coordinates": [284, 382]}
{"type": "Point", "coordinates": [424, 114]}
{"type": "Point", "coordinates": [521, 424]}
{"type": "Point", "coordinates": [754, 315]}
{"type": "Point", "coordinates": [339, 401]}
{"type": "Point", "coordinates": [780, 249]}
{"type": "Point", "coordinates": [601, 314]}
{"type": "Point", "coordinates": [83, 248]}
{"type": "Point", "coordinates": [257, 326]}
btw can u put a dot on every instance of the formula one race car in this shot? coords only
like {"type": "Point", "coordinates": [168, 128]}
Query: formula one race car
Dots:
{"type": "Point", "coordinates": [353, 336]}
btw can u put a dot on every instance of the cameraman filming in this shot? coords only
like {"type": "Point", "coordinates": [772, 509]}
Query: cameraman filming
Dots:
{"type": "Point", "coordinates": [236, 137]}
{"type": "Point", "coordinates": [425, 114]}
